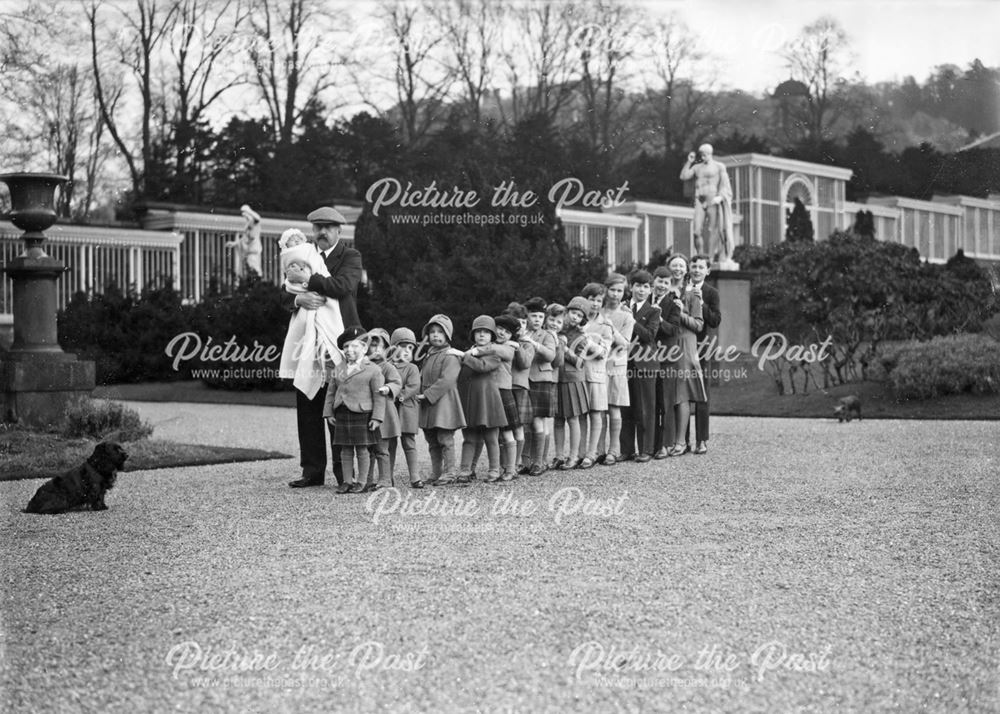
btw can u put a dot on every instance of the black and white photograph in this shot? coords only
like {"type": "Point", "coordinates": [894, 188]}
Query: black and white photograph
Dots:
{"type": "Point", "coordinates": [499, 356]}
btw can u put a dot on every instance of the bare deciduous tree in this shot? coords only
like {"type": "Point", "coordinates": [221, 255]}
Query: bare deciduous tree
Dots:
{"type": "Point", "coordinates": [605, 49]}
{"type": "Point", "coordinates": [55, 125]}
{"type": "Point", "coordinates": [419, 79]}
{"type": "Point", "coordinates": [539, 56]}
{"type": "Point", "coordinates": [471, 32]}
{"type": "Point", "coordinates": [295, 59]}
{"type": "Point", "coordinates": [678, 91]}
{"type": "Point", "coordinates": [202, 39]}
{"type": "Point", "coordinates": [142, 26]}
{"type": "Point", "coordinates": [819, 57]}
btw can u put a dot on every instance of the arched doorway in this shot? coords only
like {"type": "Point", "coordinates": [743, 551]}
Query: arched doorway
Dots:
{"type": "Point", "coordinates": [798, 187]}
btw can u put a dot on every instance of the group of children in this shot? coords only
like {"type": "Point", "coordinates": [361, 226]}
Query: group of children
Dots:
{"type": "Point", "coordinates": [544, 386]}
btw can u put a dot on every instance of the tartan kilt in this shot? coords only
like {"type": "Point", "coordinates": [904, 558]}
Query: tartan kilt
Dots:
{"type": "Point", "coordinates": [543, 398]}
{"type": "Point", "coordinates": [510, 409]}
{"type": "Point", "coordinates": [573, 400]}
{"type": "Point", "coordinates": [525, 412]}
{"type": "Point", "coordinates": [352, 429]}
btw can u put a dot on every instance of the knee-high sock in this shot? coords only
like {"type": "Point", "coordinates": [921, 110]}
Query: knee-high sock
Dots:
{"type": "Point", "coordinates": [614, 434]}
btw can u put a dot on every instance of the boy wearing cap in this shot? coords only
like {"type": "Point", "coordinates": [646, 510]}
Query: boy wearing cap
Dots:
{"type": "Point", "coordinates": [401, 346]}
{"type": "Point", "coordinates": [354, 408]}
{"type": "Point", "coordinates": [541, 383]}
{"type": "Point", "coordinates": [441, 412]}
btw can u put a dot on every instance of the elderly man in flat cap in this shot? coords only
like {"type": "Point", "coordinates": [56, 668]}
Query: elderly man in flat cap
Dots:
{"type": "Point", "coordinates": [344, 265]}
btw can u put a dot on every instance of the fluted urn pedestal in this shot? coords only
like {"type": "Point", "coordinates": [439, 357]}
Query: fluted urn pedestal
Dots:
{"type": "Point", "coordinates": [37, 378]}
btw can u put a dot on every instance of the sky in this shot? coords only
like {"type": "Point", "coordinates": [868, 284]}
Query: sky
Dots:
{"type": "Point", "coordinates": [890, 38]}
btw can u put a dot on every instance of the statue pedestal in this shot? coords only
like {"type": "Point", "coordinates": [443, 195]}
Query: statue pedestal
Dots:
{"type": "Point", "coordinates": [734, 303]}
{"type": "Point", "coordinates": [38, 379]}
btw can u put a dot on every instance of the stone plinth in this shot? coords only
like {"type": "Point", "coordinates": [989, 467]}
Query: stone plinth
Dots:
{"type": "Point", "coordinates": [734, 303]}
{"type": "Point", "coordinates": [35, 388]}
{"type": "Point", "coordinates": [35, 307]}
{"type": "Point", "coordinates": [38, 379]}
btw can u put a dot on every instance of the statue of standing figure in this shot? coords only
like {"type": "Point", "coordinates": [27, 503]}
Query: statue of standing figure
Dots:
{"type": "Point", "coordinates": [248, 246]}
{"type": "Point", "coordinates": [713, 207]}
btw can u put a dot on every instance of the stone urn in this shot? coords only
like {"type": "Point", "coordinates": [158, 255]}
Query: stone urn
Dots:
{"type": "Point", "coordinates": [32, 200]}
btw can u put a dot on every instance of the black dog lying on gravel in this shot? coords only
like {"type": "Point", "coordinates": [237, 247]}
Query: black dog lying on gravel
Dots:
{"type": "Point", "coordinates": [84, 485]}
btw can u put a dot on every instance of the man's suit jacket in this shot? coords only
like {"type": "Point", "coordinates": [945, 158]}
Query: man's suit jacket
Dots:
{"type": "Point", "coordinates": [711, 313]}
{"type": "Point", "coordinates": [642, 351]}
{"type": "Point", "coordinates": [344, 265]}
{"type": "Point", "coordinates": [669, 321]}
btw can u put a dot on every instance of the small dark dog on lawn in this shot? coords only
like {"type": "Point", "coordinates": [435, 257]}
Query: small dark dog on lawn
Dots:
{"type": "Point", "coordinates": [849, 406]}
{"type": "Point", "coordinates": [84, 485]}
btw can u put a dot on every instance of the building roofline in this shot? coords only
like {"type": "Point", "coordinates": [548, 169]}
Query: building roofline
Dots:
{"type": "Point", "coordinates": [780, 162]}
{"type": "Point", "coordinates": [653, 208]}
{"type": "Point", "coordinates": [593, 218]}
{"type": "Point", "coordinates": [971, 201]}
{"type": "Point", "coordinates": [102, 235]}
{"type": "Point", "coordinates": [916, 204]}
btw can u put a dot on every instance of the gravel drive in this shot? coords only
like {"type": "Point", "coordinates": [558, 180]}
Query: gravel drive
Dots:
{"type": "Point", "coordinates": [802, 565]}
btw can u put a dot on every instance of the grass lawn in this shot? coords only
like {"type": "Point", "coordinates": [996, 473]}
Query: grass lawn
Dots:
{"type": "Point", "coordinates": [802, 565]}
{"type": "Point", "coordinates": [745, 390]}
{"type": "Point", "coordinates": [30, 454]}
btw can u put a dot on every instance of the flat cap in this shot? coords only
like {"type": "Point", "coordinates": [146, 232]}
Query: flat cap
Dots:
{"type": "Point", "coordinates": [326, 214]}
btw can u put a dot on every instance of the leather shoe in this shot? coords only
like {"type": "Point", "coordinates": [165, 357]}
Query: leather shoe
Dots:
{"type": "Point", "coordinates": [355, 487]}
{"type": "Point", "coordinates": [305, 483]}
{"type": "Point", "coordinates": [701, 448]}
{"type": "Point", "coordinates": [661, 454]}
{"type": "Point", "coordinates": [344, 488]}
{"type": "Point", "coordinates": [643, 458]}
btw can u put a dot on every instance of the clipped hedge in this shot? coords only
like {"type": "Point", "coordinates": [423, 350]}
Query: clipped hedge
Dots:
{"type": "Point", "coordinates": [955, 364]}
{"type": "Point", "coordinates": [125, 333]}
{"type": "Point", "coordinates": [139, 337]}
